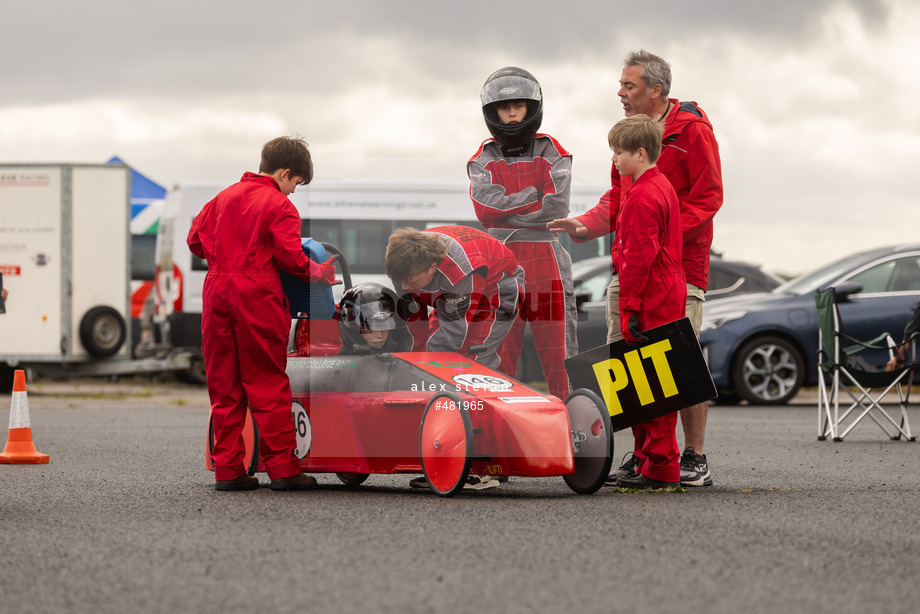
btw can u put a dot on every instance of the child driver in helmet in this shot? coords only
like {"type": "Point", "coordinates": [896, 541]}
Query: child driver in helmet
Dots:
{"type": "Point", "coordinates": [519, 181]}
{"type": "Point", "coordinates": [369, 322]}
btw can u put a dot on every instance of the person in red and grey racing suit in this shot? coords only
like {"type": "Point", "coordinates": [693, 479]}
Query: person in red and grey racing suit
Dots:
{"type": "Point", "coordinates": [246, 233]}
{"type": "Point", "coordinates": [475, 288]}
{"type": "Point", "coordinates": [519, 181]}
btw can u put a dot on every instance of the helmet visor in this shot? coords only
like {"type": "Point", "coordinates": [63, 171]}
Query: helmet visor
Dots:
{"type": "Point", "coordinates": [375, 316]}
{"type": "Point", "coordinates": [510, 87]}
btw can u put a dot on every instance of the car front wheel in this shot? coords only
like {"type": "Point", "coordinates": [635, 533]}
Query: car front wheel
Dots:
{"type": "Point", "coordinates": [768, 371]}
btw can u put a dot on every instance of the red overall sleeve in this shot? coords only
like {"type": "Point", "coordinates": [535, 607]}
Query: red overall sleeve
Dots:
{"type": "Point", "coordinates": [284, 241]}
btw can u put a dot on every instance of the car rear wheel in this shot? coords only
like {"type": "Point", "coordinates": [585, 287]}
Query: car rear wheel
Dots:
{"type": "Point", "coordinates": [768, 370]}
{"type": "Point", "coordinates": [592, 441]}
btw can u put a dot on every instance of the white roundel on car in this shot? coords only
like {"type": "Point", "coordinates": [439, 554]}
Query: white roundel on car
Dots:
{"type": "Point", "coordinates": [303, 430]}
{"type": "Point", "coordinates": [473, 381]}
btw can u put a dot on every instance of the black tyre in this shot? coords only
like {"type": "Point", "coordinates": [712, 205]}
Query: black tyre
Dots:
{"type": "Point", "coordinates": [726, 398]}
{"type": "Point", "coordinates": [195, 373]}
{"type": "Point", "coordinates": [102, 331]}
{"type": "Point", "coordinates": [768, 370]}
{"type": "Point", "coordinates": [251, 458]}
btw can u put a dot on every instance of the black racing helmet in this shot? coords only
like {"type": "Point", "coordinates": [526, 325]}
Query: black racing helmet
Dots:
{"type": "Point", "coordinates": [504, 85]}
{"type": "Point", "coordinates": [374, 307]}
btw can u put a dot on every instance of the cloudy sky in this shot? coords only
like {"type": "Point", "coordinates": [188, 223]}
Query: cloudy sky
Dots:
{"type": "Point", "coordinates": [813, 103]}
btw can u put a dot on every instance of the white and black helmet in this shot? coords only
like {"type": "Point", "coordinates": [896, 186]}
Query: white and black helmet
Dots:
{"type": "Point", "coordinates": [373, 307]}
{"type": "Point", "coordinates": [504, 85]}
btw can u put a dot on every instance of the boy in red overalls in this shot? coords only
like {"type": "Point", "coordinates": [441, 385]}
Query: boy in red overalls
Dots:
{"type": "Point", "coordinates": [246, 233]}
{"type": "Point", "coordinates": [648, 287]}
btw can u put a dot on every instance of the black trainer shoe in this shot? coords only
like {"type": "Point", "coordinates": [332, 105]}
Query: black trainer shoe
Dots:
{"type": "Point", "coordinates": [640, 482]}
{"type": "Point", "coordinates": [473, 482]}
{"type": "Point", "coordinates": [418, 483]}
{"type": "Point", "coordinates": [301, 481]}
{"type": "Point", "coordinates": [244, 482]}
{"type": "Point", "coordinates": [480, 482]}
{"type": "Point", "coordinates": [694, 469]}
{"type": "Point", "coordinates": [625, 470]}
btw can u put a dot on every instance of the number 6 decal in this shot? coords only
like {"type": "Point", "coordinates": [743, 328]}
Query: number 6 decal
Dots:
{"type": "Point", "coordinates": [303, 431]}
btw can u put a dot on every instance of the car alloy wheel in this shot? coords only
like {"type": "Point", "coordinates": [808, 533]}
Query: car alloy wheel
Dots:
{"type": "Point", "coordinates": [768, 370]}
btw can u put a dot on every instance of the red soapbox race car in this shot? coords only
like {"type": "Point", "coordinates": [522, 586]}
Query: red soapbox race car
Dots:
{"type": "Point", "coordinates": [441, 414]}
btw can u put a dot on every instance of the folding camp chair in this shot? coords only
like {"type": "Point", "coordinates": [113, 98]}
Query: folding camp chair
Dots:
{"type": "Point", "coordinates": [865, 384]}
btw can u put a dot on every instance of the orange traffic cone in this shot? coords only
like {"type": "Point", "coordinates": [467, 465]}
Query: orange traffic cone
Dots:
{"type": "Point", "coordinates": [19, 448]}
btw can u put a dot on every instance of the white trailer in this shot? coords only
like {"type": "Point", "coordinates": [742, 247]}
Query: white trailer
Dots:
{"type": "Point", "coordinates": [65, 259]}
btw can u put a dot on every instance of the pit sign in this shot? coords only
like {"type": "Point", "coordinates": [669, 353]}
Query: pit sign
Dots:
{"type": "Point", "coordinates": [641, 382]}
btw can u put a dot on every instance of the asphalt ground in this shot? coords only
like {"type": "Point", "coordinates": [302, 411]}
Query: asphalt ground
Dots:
{"type": "Point", "coordinates": [124, 519]}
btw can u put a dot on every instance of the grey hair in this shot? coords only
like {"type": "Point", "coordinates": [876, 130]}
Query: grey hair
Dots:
{"type": "Point", "coordinates": [655, 70]}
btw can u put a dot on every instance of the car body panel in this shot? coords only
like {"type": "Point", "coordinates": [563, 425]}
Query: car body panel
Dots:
{"type": "Point", "coordinates": [361, 414]}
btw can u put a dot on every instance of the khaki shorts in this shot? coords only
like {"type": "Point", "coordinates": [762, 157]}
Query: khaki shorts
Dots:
{"type": "Point", "coordinates": [613, 310]}
{"type": "Point", "coordinates": [695, 299]}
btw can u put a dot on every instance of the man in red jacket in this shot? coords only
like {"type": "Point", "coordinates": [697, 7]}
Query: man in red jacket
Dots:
{"type": "Point", "coordinates": [690, 161]}
{"type": "Point", "coordinates": [246, 233]}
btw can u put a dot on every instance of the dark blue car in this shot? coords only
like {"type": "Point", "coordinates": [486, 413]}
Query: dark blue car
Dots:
{"type": "Point", "coordinates": [762, 348]}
